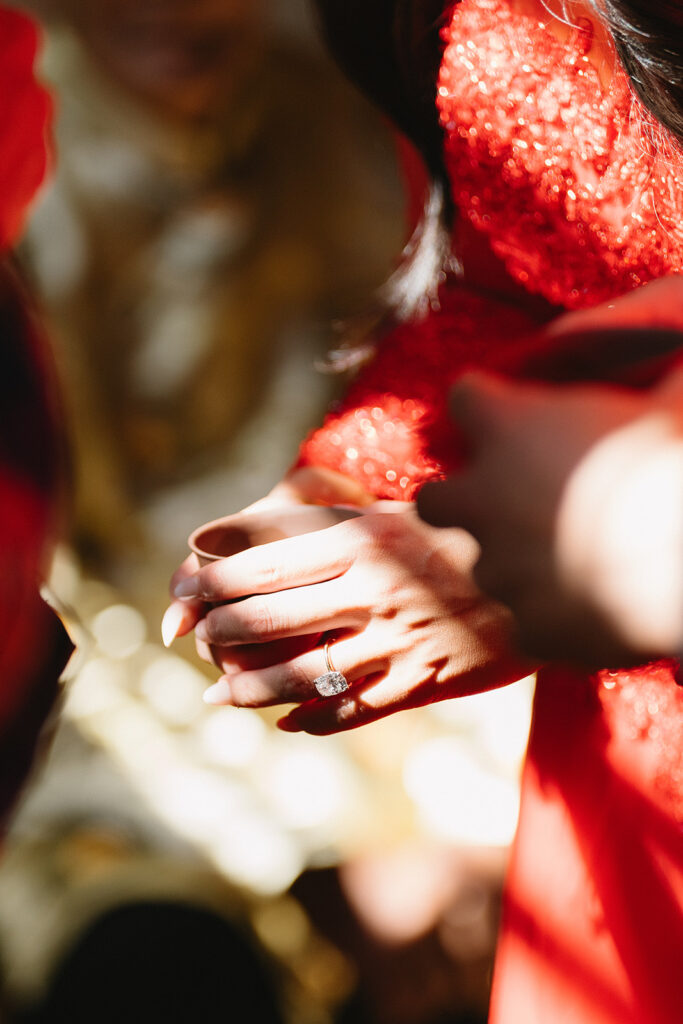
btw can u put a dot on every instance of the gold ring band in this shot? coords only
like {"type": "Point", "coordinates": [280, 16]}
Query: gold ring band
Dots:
{"type": "Point", "coordinates": [330, 683]}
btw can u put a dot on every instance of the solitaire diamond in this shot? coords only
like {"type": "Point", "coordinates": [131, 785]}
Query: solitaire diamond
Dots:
{"type": "Point", "coordinates": [330, 684]}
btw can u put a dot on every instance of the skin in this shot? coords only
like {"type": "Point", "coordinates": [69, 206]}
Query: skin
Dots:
{"type": "Point", "coordinates": [582, 534]}
{"type": "Point", "coordinates": [575, 495]}
{"type": "Point", "coordinates": [405, 606]}
{"type": "Point", "coordinates": [409, 625]}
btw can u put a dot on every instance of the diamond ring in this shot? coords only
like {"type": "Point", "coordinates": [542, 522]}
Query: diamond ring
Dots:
{"type": "Point", "coordinates": [330, 683]}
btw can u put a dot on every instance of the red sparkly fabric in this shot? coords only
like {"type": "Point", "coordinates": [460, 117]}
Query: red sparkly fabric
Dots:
{"type": "Point", "coordinates": [393, 432]}
{"type": "Point", "coordinates": [578, 188]}
{"type": "Point", "coordinates": [580, 194]}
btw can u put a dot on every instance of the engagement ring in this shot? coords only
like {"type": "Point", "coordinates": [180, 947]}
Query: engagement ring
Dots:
{"type": "Point", "coordinates": [331, 682]}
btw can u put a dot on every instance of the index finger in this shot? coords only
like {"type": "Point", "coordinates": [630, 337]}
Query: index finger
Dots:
{"type": "Point", "coordinates": [279, 565]}
{"type": "Point", "coordinates": [187, 568]}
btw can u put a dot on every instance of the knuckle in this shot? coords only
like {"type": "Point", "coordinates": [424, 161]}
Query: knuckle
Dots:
{"type": "Point", "coordinates": [260, 625]}
{"type": "Point", "coordinates": [358, 533]}
{"type": "Point", "coordinates": [213, 628]}
{"type": "Point", "coordinates": [389, 528]}
{"type": "Point", "coordinates": [373, 588]}
{"type": "Point", "coordinates": [470, 548]}
{"type": "Point", "coordinates": [356, 594]}
{"type": "Point", "coordinates": [207, 581]}
{"type": "Point", "coordinates": [349, 529]}
{"type": "Point", "coordinates": [298, 682]}
{"type": "Point", "coordinates": [246, 692]}
{"type": "Point", "coordinates": [378, 533]}
{"type": "Point", "coordinates": [384, 533]}
{"type": "Point", "coordinates": [266, 577]}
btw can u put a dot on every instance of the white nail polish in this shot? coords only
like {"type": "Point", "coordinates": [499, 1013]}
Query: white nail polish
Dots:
{"type": "Point", "coordinates": [170, 624]}
{"type": "Point", "coordinates": [219, 693]}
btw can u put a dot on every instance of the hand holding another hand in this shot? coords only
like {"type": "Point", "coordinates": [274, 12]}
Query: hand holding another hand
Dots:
{"type": "Point", "coordinates": [576, 496]}
{"type": "Point", "coordinates": [396, 599]}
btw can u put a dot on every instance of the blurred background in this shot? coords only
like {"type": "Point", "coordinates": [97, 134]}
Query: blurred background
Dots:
{"type": "Point", "coordinates": [221, 199]}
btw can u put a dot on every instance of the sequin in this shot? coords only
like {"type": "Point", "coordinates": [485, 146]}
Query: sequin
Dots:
{"type": "Point", "coordinates": [593, 198]}
{"type": "Point", "coordinates": [403, 394]}
{"type": "Point", "coordinates": [580, 194]}
{"type": "Point", "coordinates": [643, 705]}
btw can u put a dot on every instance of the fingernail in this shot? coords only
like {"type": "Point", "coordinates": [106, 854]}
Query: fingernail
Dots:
{"type": "Point", "coordinates": [200, 631]}
{"type": "Point", "coordinates": [170, 624]}
{"type": "Point", "coordinates": [288, 724]}
{"type": "Point", "coordinates": [219, 693]}
{"type": "Point", "coordinates": [188, 587]}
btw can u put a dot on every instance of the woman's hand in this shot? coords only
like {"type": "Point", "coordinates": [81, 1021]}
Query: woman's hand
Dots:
{"type": "Point", "coordinates": [576, 496]}
{"type": "Point", "coordinates": [575, 492]}
{"type": "Point", "coordinates": [307, 485]}
{"type": "Point", "coordinates": [406, 623]}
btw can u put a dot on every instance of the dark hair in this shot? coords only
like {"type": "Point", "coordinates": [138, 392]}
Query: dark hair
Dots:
{"type": "Point", "coordinates": [648, 35]}
{"type": "Point", "coordinates": [391, 50]}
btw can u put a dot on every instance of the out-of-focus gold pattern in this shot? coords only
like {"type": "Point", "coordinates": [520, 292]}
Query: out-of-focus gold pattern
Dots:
{"type": "Point", "coordinates": [185, 248]}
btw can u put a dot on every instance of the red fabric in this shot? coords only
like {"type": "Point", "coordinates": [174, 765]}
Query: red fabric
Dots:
{"type": "Point", "coordinates": [25, 115]}
{"type": "Point", "coordinates": [392, 432]}
{"type": "Point", "coordinates": [33, 644]}
{"type": "Point", "coordinates": [579, 194]}
{"type": "Point", "coordinates": [576, 186]}
{"type": "Point", "coordinates": [592, 926]}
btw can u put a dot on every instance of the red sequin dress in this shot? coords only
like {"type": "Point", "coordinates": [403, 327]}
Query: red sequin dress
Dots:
{"type": "Point", "coordinates": [579, 193]}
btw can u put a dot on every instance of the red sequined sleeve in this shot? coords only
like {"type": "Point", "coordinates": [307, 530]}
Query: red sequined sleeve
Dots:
{"type": "Point", "coordinates": [392, 432]}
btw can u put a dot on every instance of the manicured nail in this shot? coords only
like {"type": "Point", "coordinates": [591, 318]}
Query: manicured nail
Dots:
{"type": "Point", "coordinates": [219, 693]}
{"type": "Point", "coordinates": [288, 724]}
{"type": "Point", "coordinates": [170, 624]}
{"type": "Point", "coordinates": [200, 631]}
{"type": "Point", "coordinates": [188, 587]}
